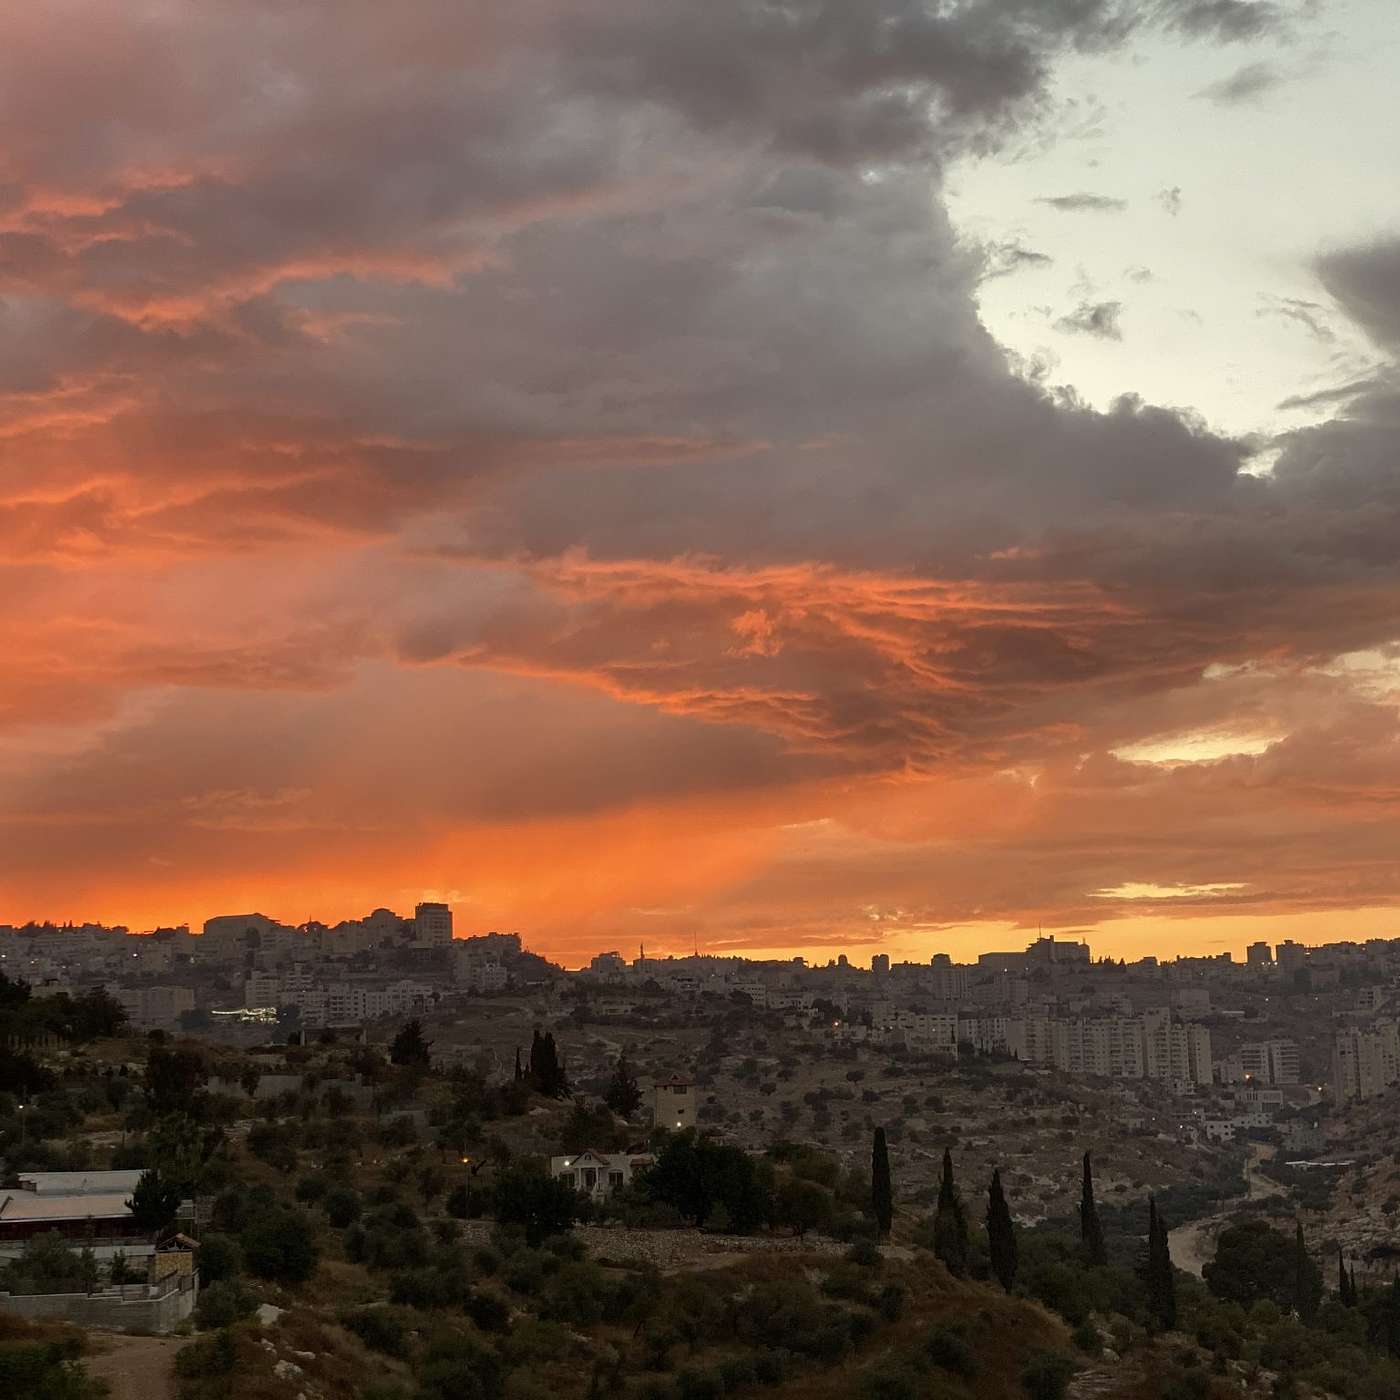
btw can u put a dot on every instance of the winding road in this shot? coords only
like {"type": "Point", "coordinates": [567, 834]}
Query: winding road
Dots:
{"type": "Point", "coordinates": [1193, 1245]}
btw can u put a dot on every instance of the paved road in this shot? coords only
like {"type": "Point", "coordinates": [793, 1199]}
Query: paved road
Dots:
{"type": "Point", "coordinates": [1193, 1245]}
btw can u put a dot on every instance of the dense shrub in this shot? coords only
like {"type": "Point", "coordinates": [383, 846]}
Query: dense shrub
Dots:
{"type": "Point", "coordinates": [1047, 1376]}
{"type": "Point", "coordinates": [280, 1247]}
{"type": "Point", "coordinates": [946, 1346]}
{"type": "Point", "coordinates": [342, 1207]}
{"type": "Point", "coordinates": [380, 1329]}
{"type": "Point", "coordinates": [219, 1258]}
{"type": "Point", "coordinates": [222, 1304]}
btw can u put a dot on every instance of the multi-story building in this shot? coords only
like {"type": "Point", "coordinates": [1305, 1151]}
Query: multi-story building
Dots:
{"type": "Point", "coordinates": [1270, 1061]}
{"type": "Point", "coordinates": [1365, 1062]}
{"type": "Point", "coordinates": [1174, 1050]}
{"type": "Point", "coordinates": [432, 925]}
{"type": "Point", "coordinates": [154, 1008]}
{"type": "Point", "coordinates": [948, 983]}
{"type": "Point", "coordinates": [611, 966]}
{"type": "Point", "coordinates": [673, 1103]}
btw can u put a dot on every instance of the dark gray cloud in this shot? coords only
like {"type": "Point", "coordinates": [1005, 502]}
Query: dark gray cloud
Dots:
{"type": "Point", "coordinates": [1308, 314]}
{"type": "Point", "coordinates": [1245, 84]}
{"type": "Point", "coordinates": [1084, 202]}
{"type": "Point", "coordinates": [1097, 318]}
{"type": "Point", "coordinates": [1366, 283]}
{"type": "Point", "coordinates": [1002, 259]}
{"type": "Point", "coordinates": [1229, 20]}
{"type": "Point", "coordinates": [652, 309]}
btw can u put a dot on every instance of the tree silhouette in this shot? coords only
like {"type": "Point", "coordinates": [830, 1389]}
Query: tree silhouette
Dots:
{"type": "Point", "coordinates": [1307, 1281]}
{"type": "Point", "coordinates": [949, 1223]}
{"type": "Point", "coordinates": [155, 1201]}
{"type": "Point", "coordinates": [1001, 1234]}
{"type": "Point", "coordinates": [1090, 1230]}
{"type": "Point", "coordinates": [546, 1069]}
{"type": "Point", "coordinates": [542, 1205]}
{"type": "Point", "coordinates": [624, 1094]}
{"type": "Point", "coordinates": [881, 1188]}
{"type": "Point", "coordinates": [409, 1047]}
{"type": "Point", "coordinates": [1161, 1283]}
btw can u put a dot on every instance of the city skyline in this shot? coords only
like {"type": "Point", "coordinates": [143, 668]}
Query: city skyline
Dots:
{"type": "Point", "coordinates": [782, 479]}
{"type": "Point", "coordinates": [434, 921]}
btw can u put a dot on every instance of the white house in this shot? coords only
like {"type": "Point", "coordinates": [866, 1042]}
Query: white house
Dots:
{"type": "Point", "coordinates": [598, 1174]}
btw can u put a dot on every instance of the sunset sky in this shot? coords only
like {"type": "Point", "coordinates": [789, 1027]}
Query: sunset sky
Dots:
{"type": "Point", "coordinates": [786, 478]}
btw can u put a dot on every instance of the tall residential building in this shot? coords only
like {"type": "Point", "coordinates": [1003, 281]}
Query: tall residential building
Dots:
{"type": "Point", "coordinates": [432, 925]}
{"type": "Point", "coordinates": [1270, 1061]}
{"type": "Point", "coordinates": [880, 964]}
{"type": "Point", "coordinates": [1259, 956]}
{"type": "Point", "coordinates": [1175, 1050]}
{"type": "Point", "coordinates": [1290, 955]}
{"type": "Point", "coordinates": [1365, 1062]}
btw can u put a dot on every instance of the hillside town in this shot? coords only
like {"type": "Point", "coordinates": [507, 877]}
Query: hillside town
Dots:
{"type": "Point", "coordinates": [385, 1070]}
{"type": "Point", "coordinates": [1308, 1021]}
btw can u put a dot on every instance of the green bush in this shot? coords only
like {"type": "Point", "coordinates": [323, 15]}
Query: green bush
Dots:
{"type": "Point", "coordinates": [947, 1347]}
{"type": "Point", "coordinates": [1047, 1376]}
{"type": "Point", "coordinates": [280, 1246]}
{"type": "Point", "coordinates": [219, 1258]}
{"type": "Point", "coordinates": [380, 1329]}
{"type": "Point", "coordinates": [459, 1368]}
{"type": "Point", "coordinates": [342, 1207]}
{"type": "Point", "coordinates": [221, 1304]}
{"type": "Point", "coordinates": [212, 1356]}
{"type": "Point", "coordinates": [901, 1379]}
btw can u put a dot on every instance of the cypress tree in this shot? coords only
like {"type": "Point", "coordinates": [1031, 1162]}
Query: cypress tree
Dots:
{"type": "Point", "coordinates": [624, 1094]}
{"type": "Point", "coordinates": [1090, 1230]}
{"type": "Point", "coordinates": [519, 1071]}
{"type": "Point", "coordinates": [1001, 1234]}
{"type": "Point", "coordinates": [1305, 1281]}
{"type": "Point", "coordinates": [1346, 1288]}
{"type": "Point", "coordinates": [881, 1189]}
{"type": "Point", "coordinates": [546, 1069]}
{"type": "Point", "coordinates": [1161, 1284]}
{"type": "Point", "coordinates": [949, 1223]}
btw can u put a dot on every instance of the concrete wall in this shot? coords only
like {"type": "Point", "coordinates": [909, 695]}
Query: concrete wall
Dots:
{"type": "Point", "coordinates": [136, 1307]}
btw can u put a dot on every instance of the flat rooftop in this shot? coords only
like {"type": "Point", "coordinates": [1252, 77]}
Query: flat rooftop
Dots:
{"type": "Point", "coordinates": [79, 1183]}
{"type": "Point", "coordinates": [26, 1205]}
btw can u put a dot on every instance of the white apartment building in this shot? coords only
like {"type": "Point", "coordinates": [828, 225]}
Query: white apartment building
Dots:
{"type": "Point", "coordinates": [1365, 1062]}
{"type": "Point", "coordinates": [987, 1034]}
{"type": "Point", "coordinates": [1151, 1046]}
{"type": "Point", "coordinates": [347, 1003]}
{"type": "Point", "coordinates": [950, 983]}
{"type": "Point", "coordinates": [150, 1008]}
{"type": "Point", "coordinates": [1270, 1061]}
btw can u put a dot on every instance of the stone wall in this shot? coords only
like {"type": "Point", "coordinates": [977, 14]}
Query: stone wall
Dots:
{"type": "Point", "coordinates": [134, 1308]}
{"type": "Point", "coordinates": [671, 1248]}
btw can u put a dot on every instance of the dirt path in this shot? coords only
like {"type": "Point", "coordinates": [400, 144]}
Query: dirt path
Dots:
{"type": "Point", "coordinates": [137, 1368]}
{"type": "Point", "coordinates": [1193, 1245]}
